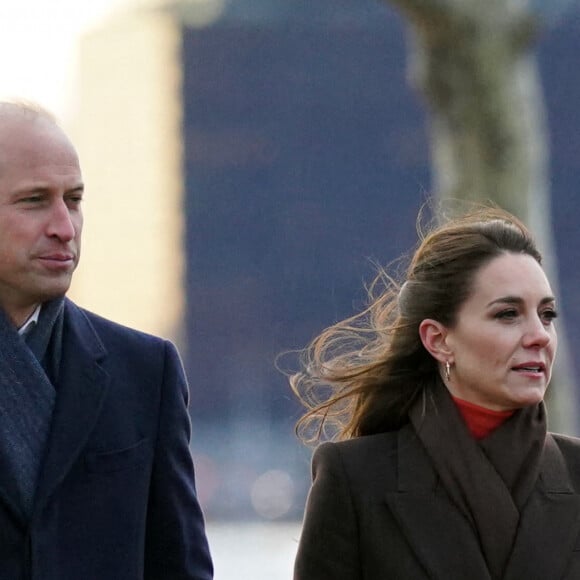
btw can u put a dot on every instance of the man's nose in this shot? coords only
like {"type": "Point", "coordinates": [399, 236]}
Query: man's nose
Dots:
{"type": "Point", "coordinates": [60, 223]}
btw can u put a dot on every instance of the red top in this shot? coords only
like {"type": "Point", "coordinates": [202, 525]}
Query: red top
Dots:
{"type": "Point", "coordinates": [479, 420]}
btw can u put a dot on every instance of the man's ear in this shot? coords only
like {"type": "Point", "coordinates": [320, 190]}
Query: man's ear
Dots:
{"type": "Point", "coordinates": [433, 336]}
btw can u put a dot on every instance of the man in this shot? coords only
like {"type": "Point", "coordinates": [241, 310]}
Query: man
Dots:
{"type": "Point", "coordinates": [96, 477]}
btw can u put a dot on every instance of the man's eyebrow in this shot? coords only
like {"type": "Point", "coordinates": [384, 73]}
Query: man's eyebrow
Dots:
{"type": "Point", "coordinates": [77, 189]}
{"type": "Point", "coordinates": [518, 300]}
{"type": "Point", "coordinates": [44, 189]}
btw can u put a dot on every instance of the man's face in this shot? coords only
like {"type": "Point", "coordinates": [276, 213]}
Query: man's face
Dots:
{"type": "Point", "coordinates": [40, 214]}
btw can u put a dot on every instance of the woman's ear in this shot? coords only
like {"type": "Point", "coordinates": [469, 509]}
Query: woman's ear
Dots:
{"type": "Point", "coordinates": [433, 336]}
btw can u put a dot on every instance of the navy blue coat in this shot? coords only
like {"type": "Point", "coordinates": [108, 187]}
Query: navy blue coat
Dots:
{"type": "Point", "coordinates": [116, 497]}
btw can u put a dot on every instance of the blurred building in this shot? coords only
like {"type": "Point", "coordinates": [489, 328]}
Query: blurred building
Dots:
{"type": "Point", "coordinates": [246, 162]}
{"type": "Point", "coordinates": [128, 132]}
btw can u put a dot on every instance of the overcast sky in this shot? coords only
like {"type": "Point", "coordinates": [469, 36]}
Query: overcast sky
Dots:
{"type": "Point", "coordinates": [38, 47]}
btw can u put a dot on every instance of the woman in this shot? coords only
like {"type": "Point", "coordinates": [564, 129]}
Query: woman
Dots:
{"type": "Point", "coordinates": [445, 469]}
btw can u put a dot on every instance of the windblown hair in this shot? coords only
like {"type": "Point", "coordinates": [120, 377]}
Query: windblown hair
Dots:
{"type": "Point", "coordinates": [361, 375]}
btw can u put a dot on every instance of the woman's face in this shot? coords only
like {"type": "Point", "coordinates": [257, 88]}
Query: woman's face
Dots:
{"type": "Point", "coordinates": [504, 341]}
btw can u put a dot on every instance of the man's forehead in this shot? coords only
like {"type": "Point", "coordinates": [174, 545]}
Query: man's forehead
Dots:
{"type": "Point", "coordinates": [23, 140]}
{"type": "Point", "coordinates": [11, 122]}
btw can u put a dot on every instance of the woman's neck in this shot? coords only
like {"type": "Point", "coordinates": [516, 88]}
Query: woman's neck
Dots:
{"type": "Point", "coordinates": [481, 421]}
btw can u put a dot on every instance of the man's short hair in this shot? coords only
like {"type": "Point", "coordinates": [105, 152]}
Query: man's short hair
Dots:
{"type": "Point", "coordinates": [26, 110]}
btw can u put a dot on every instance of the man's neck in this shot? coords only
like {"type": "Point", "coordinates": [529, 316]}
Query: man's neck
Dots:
{"type": "Point", "coordinates": [19, 316]}
{"type": "Point", "coordinates": [30, 322]}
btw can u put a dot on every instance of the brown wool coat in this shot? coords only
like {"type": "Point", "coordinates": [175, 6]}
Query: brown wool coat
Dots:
{"type": "Point", "coordinates": [376, 511]}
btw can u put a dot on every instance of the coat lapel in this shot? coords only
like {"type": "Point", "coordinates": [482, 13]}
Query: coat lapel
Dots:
{"type": "Point", "coordinates": [443, 540]}
{"type": "Point", "coordinates": [8, 493]}
{"type": "Point", "coordinates": [549, 524]}
{"type": "Point", "coordinates": [81, 389]}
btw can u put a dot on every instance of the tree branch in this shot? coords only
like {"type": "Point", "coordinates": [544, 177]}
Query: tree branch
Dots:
{"type": "Point", "coordinates": [472, 62]}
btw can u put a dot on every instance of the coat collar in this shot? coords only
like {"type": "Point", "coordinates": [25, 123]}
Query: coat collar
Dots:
{"type": "Point", "coordinates": [441, 537]}
{"type": "Point", "coordinates": [445, 542]}
{"type": "Point", "coordinates": [82, 386]}
{"type": "Point", "coordinates": [549, 523]}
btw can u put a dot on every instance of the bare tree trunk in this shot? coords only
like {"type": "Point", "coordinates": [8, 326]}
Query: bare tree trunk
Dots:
{"type": "Point", "coordinates": [472, 60]}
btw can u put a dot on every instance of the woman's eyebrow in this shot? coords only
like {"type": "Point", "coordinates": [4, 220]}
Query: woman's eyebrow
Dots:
{"type": "Point", "coordinates": [517, 300]}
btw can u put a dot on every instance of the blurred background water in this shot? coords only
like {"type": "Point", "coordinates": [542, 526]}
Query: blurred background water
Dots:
{"type": "Point", "coordinates": [253, 550]}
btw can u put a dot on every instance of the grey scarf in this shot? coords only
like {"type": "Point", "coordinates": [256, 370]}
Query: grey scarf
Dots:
{"type": "Point", "coordinates": [490, 481]}
{"type": "Point", "coordinates": [28, 373]}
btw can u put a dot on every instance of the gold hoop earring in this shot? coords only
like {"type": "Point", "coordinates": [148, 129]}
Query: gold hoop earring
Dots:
{"type": "Point", "coordinates": [447, 370]}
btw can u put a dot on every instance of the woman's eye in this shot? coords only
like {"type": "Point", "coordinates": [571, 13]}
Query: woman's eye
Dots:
{"type": "Point", "coordinates": [507, 314]}
{"type": "Point", "coordinates": [549, 315]}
